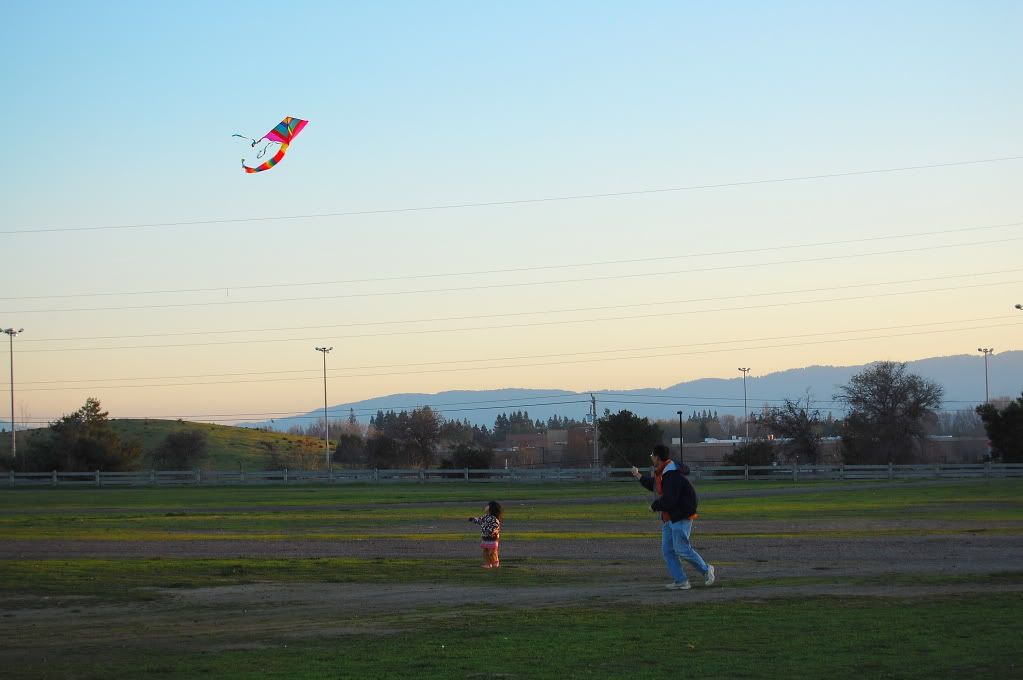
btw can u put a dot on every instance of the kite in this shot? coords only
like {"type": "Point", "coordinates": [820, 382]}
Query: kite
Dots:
{"type": "Point", "coordinates": [283, 133]}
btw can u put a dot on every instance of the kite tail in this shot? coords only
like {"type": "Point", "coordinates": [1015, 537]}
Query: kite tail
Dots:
{"type": "Point", "coordinates": [268, 164]}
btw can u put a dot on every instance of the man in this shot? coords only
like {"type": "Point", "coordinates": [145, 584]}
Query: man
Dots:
{"type": "Point", "coordinates": [676, 501]}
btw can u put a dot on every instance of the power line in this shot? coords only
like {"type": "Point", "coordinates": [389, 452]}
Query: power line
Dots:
{"type": "Point", "coordinates": [524, 325]}
{"type": "Point", "coordinates": [659, 303]}
{"type": "Point", "coordinates": [549, 363]}
{"type": "Point", "coordinates": [531, 356]}
{"type": "Point", "coordinates": [521, 201]}
{"type": "Point", "coordinates": [517, 270]}
{"type": "Point", "coordinates": [523, 284]}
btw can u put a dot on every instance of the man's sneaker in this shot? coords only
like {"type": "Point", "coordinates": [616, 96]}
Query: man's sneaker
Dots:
{"type": "Point", "coordinates": [709, 576]}
{"type": "Point", "coordinates": [679, 586]}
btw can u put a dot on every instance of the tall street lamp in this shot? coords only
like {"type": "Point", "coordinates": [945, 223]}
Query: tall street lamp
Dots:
{"type": "Point", "coordinates": [326, 422]}
{"type": "Point", "coordinates": [14, 441]}
{"type": "Point", "coordinates": [679, 437]}
{"type": "Point", "coordinates": [987, 351]}
{"type": "Point", "coordinates": [745, 409]}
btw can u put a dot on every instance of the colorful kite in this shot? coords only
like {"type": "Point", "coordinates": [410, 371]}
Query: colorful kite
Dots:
{"type": "Point", "coordinates": [283, 133]}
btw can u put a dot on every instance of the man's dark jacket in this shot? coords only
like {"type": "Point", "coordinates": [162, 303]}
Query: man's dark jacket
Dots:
{"type": "Point", "coordinates": [678, 497]}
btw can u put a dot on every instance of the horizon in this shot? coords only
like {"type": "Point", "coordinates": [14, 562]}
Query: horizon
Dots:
{"type": "Point", "coordinates": [724, 405]}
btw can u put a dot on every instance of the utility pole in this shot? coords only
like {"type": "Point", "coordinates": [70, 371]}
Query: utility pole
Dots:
{"type": "Point", "coordinates": [745, 409]}
{"type": "Point", "coordinates": [596, 446]}
{"type": "Point", "coordinates": [987, 351]}
{"type": "Point", "coordinates": [326, 422]}
{"type": "Point", "coordinates": [14, 440]}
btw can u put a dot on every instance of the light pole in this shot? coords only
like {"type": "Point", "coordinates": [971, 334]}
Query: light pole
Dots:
{"type": "Point", "coordinates": [326, 423]}
{"type": "Point", "coordinates": [14, 441]}
{"type": "Point", "coordinates": [986, 351]}
{"type": "Point", "coordinates": [745, 409]}
{"type": "Point", "coordinates": [679, 437]}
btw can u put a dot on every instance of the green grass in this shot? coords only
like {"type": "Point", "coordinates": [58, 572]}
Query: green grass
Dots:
{"type": "Point", "coordinates": [965, 636]}
{"type": "Point", "coordinates": [766, 636]}
{"type": "Point", "coordinates": [366, 510]}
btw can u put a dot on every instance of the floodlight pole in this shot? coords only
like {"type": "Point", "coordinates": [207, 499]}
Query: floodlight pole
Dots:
{"type": "Point", "coordinates": [986, 351]}
{"type": "Point", "coordinates": [14, 440]}
{"type": "Point", "coordinates": [745, 409]}
{"type": "Point", "coordinates": [679, 437]}
{"type": "Point", "coordinates": [326, 422]}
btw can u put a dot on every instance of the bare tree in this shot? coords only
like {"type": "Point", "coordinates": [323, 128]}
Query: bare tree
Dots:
{"type": "Point", "coordinates": [800, 428]}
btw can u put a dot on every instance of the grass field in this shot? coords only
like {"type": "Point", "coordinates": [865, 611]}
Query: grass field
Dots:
{"type": "Point", "coordinates": [907, 580]}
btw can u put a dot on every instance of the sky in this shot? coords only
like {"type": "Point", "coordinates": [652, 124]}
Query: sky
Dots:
{"type": "Point", "coordinates": [573, 195]}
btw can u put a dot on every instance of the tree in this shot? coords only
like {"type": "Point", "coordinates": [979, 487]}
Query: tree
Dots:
{"type": "Point", "coordinates": [756, 452]}
{"type": "Point", "coordinates": [83, 441]}
{"type": "Point", "coordinates": [888, 412]}
{"type": "Point", "coordinates": [1004, 429]}
{"type": "Point", "coordinates": [799, 427]}
{"type": "Point", "coordinates": [627, 438]}
{"type": "Point", "coordinates": [351, 449]}
{"type": "Point", "coordinates": [465, 456]}
{"type": "Point", "coordinates": [383, 452]}
{"type": "Point", "coordinates": [422, 436]}
{"type": "Point", "coordinates": [180, 451]}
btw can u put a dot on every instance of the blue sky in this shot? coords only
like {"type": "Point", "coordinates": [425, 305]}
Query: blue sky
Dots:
{"type": "Point", "coordinates": [125, 114]}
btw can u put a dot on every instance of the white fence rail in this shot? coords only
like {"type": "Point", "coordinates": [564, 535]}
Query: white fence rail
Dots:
{"type": "Point", "coordinates": [706, 473]}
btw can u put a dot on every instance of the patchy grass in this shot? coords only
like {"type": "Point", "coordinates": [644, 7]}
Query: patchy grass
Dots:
{"type": "Point", "coordinates": [437, 512]}
{"type": "Point", "coordinates": [963, 636]}
{"type": "Point", "coordinates": [134, 578]}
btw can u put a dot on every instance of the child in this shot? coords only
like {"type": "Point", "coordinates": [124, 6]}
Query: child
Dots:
{"type": "Point", "coordinates": [490, 533]}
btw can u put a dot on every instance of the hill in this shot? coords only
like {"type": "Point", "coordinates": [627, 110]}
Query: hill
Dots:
{"type": "Point", "coordinates": [962, 376]}
{"type": "Point", "coordinates": [229, 447]}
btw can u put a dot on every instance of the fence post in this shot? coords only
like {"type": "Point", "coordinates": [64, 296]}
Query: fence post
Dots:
{"type": "Point", "coordinates": [12, 478]}
{"type": "Point", "coordinates": [285, 475]}
{"type": "Point", "coordinates": [376, 475]}
{"type": "Point", "coordinates": [198, 476]}
{"type": "Point", "coordinates": [467, 474]}
{"type": "Point", "coordinates": [745, 472]}
{"type": "Point", "coordinates": [152, 477]}
{"type": "Point", "coordinates": [54, 477]}
{"type": "Point", "coordinates": [891, 470]}
{"type": "Point", "coordinates": [99, 482]}
{"type": "Point", "coordinates": [987, 469]}
{"type": "Point", "coordinates": [795, 472]}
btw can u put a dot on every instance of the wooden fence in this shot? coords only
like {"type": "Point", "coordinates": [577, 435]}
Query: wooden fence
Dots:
{"type": "Point", "coordinates": [752, 473]}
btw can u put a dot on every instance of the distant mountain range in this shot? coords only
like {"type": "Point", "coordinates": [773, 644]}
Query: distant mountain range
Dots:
{"type": "Point", "coordinates": [962, 376]}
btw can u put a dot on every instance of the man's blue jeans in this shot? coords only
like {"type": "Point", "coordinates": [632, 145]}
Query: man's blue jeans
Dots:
{"type": "Point", "coordinates": [675, 546]}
